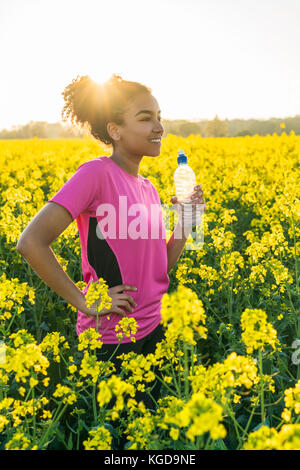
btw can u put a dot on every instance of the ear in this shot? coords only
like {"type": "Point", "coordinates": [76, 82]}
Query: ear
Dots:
{"type": "Point", "coordinates": [113, 131]}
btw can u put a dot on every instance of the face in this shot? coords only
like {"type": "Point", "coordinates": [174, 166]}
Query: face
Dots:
{"type": "Point", "coordinates": [142, 124]}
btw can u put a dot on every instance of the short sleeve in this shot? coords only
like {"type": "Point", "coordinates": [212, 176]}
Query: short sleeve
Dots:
{"type": "Point", "coordinates": [155, 193]}
{"type": "Point", "coordinates": [79, 193]}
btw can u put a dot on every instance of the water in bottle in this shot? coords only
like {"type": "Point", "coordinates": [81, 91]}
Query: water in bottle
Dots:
{"type": "Point", "coordinates": [185, 182]}
{"type": "Point", "coordinates": [184, 178]}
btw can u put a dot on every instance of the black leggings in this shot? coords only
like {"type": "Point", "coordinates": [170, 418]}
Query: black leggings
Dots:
{"type": "Point", "coordinates": [143, 346]}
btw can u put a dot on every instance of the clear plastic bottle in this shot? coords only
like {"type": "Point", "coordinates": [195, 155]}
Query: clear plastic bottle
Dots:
{"type": "Point", "coordinates": [185, 182]}
{"type": "Point", "coordinates": [184, 178]}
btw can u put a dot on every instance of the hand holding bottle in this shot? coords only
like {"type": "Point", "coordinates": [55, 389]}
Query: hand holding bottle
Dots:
{"type": "Point", "coordinates": [189, 204]}
{"type": "Point", "coordinates": [189, 218]}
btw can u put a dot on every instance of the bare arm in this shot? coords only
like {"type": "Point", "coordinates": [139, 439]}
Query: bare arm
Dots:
{"type": "Point", "coordinates": [34, 245]}
{"type": "Point", "coordinates": [175, 246]}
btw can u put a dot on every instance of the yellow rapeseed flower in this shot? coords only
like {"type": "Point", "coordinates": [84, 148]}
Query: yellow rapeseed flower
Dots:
{"type": "Point", "coordinates": [99, 439]}
{"type": "Point", "coordinates": [265, 438]}
{"type": "Point", "coordinates": [257, 331]}
{"type": "Point", "coordinates": [128, 327]}
{"type": "Point", "coordinates": [199, 415]}
{"type": "Point", "coordinates": [184, 316]}
{"type": "Point", "coordinates": [98, 292]}
{"type": "Point", "coordinates": [89, 339]}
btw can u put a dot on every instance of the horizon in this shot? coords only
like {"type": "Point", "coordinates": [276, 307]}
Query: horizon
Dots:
{"type": "Point", "coordinates": [218, 57]}
{"type": "Point", "coordinates": [179, 119]}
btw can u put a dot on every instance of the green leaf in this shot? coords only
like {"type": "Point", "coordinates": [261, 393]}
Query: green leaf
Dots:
{"type": "Point", "coordinates": [219, 445]}
{"type": "Point", "coordinates": [70, 442]}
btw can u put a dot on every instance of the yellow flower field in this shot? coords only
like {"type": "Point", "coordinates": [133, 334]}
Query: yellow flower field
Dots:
{"type": "Point", "coordinates": [231, 370]}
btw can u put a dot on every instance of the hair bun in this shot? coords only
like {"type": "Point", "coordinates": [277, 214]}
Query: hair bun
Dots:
{"type": "Point", "coordinates": [92, 105]}
{"type": "Point", "coordinates": [115, 78]}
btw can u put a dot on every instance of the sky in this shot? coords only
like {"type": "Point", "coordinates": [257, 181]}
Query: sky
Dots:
{"type": "Point", "coordinates": [201, 58]}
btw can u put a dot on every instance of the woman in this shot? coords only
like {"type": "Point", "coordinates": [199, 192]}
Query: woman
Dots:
{"type": "Point", "coordinates": [135, 265]}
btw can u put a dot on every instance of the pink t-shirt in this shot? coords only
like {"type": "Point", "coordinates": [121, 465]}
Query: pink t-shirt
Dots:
{"type": "Point", "coordinates": [123, 240]}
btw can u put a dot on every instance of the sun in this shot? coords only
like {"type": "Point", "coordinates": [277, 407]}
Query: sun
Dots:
{"type": "Point", "coordinates": [99, 76]}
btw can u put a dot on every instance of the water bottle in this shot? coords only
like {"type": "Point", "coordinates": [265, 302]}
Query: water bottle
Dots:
{"type": "Point", "coordinates": [185, 182]}
{"type": "Point", "coordinates": [184, 178]}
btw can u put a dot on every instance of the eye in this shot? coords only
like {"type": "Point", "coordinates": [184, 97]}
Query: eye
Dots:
{"type": "Point", "coordinates": [147, 119]}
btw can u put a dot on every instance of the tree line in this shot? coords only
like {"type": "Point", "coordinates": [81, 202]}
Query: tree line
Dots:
{"type": "Point", "coordinates": [206, 128]}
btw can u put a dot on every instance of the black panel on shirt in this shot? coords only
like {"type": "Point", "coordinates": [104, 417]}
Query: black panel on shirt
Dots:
{"type": "Point", "coordinates": [101, 257]}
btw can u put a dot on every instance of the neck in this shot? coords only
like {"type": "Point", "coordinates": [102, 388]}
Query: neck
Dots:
{"type": "Point", "coordinates": [126, 162]}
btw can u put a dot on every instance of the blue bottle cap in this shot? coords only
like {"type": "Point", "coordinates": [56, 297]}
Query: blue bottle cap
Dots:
{"type": "Point", "coordinates": [182, 158]}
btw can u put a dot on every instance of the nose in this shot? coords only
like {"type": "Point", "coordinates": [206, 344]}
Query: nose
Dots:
{"type": "Point", "coordinates": [158, 127]}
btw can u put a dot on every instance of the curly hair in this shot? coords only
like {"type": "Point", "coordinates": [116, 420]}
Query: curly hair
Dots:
{"type": "Point", "coordinates": [91, 105]}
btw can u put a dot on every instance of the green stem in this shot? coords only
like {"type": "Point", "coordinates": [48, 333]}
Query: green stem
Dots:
{"type": "Point", "coordinates": [94, 404]}
{"type": "Point", "coordinates": [298, 335]}
{"type": "Point", "coordinates": [97, 318]}
{"type": "Point", "coordinates": [61, 436]}
{"type": "Point", "coordinates": [33, 413]}
{"type": "Point", "coordinates": [175, 381]}
{"type": "Point", "coordinates": [55, 420]}
{"type": "Point", "coordinates": [117, 347]}
{"type": "Point", "coordinates": [94, 384]}
{"type": "Point", "coordinates": [64, 360]}
{"type": "Point", "coordinates": [208, 442]}
{"type": "Point", "coordinates": [229, 299]}
{"type": "Point", "coordinates": [290, 299]}
{"type": "Point", "coordinates": [207, 306]}
{"type": "Point", "coordinates": [180, 367]}
{"type": "Point", "coordinates": [186, 383]}
{"type": "Point", "coordinates": [297, 321]}
{"type": "Point", "coordinates": [34, 310]}
{"type": "Point", "coordinates": [6, 331]}
{"type": "Point", "coordinates": [78, 433]}
{"type": "Point", "coordinates": [248, 423]}
{"type": "Point", "coordinates": [289, 293]}
{"type": "Point", "coordinates": [192, 360]}
{"type": "Point", "coordinates": [262, 404]}
{"type": "Point", "coordinates": [235, 424]}
{"type": "Point", "coordinates": [282, 364]}
{"type": "Point", "coordinates": [152, 398]}
{"type": "Point", "coordinates": [296, 257]}
{"type": "Point", "coordinates": [164, 384]}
